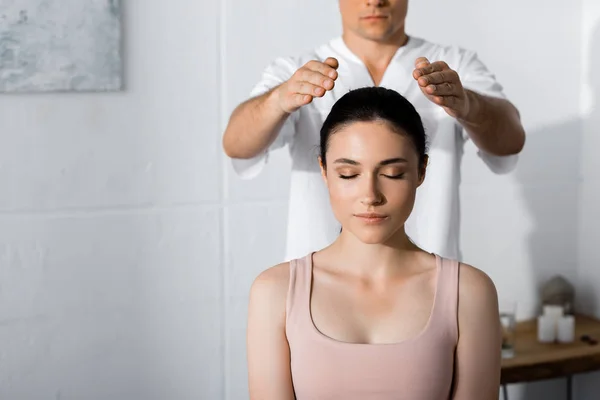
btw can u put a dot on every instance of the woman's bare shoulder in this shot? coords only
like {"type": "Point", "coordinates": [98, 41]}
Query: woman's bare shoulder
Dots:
{"type": "Point", "coordinates": [477, 293]}
{"type": "Point", "coordinates": [474, 282]}
{"type": "Point", "coordinates": [272, 284]}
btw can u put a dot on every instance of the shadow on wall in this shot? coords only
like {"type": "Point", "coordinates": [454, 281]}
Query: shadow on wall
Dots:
{"type": "Point", "coordinates": [589, 298]}
{"type": "Point", "coordinates": [550, 175]}
{"type": "Point", "coordinates": [588, 388]}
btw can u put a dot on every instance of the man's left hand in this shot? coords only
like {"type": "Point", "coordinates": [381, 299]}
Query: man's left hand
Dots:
{"type": "Point", "coordinates": [442, 85]}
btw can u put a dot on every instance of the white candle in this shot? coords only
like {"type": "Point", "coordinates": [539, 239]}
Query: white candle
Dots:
{"type": "Point", "coordinates": [565, 330]}
{"type": "Point", "coordinates": [546, 329]}
{"type": "Point", "coordinates": [553, 311]}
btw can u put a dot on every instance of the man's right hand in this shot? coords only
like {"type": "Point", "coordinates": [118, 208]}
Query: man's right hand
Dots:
{"type": "Point", "coordinates": [312, 80]}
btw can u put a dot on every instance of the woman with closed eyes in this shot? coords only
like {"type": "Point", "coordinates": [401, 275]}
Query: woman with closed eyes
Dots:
{"type": "Point", "coordinates": [373, 316]}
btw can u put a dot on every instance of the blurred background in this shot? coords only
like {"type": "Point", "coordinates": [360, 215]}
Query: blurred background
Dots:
{"type": "Point", "coordinates": [128, 245]}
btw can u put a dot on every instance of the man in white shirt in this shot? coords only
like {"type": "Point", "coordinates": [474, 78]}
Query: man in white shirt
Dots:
{"type": "Point", "coordinates": [456, 95]}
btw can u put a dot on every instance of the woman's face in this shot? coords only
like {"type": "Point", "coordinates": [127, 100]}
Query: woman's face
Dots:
{"type": "Point", "coordinates": [372, 174]}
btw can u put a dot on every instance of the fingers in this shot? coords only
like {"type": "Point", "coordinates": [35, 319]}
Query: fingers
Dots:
{"type": "Point", "coordinates": [327, 68]}
{"type": "Point", "coordinates": [315, 77]}
{"type": "Point", "coordinates": [292, 101]}
{"type": "Point", "coordinates": [302, 99]}
{"type": "Point", "coordinates": [332, 62]}
{"type": "Point", "coordinates": [442, 89]}
{"type": "Point", "coordinates": [421, 62]}
{"type": "Point", "coordinates": [312, 80]}
{"type": "Point", "coordinates": [446, 101]}
{"type": "Point", "coordinates": [435, 78]}
{"type": "Point", "coordinates": [424, 67]}
{"type": "Point", "coordinates": [440, 83]}
{"type": "Point", "coordinates": [309, 88]}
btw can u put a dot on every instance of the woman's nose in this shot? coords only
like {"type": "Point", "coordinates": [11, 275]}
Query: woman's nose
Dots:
{"type": "Point", "coordinates": [372, 196]}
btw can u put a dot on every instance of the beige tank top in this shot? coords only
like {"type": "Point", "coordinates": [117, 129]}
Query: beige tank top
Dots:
{"type": "Point", "coordinates": [419, 368]}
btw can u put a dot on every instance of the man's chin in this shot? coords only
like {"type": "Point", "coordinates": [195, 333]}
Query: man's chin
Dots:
{"type": "Point", "coordinates": [375, 36]}
{"type": "Point", "coordinates": [378, 33]}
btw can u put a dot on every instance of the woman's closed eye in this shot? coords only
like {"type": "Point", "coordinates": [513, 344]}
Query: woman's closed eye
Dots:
{"type": "Point", "coordinates": [389, 176]}
{"type": "Point", "coordinates": [348, 176]}
{"type": "Point", "coordinates": [347, 173]}
{"type": "Point", "coordinates": [396, 176]}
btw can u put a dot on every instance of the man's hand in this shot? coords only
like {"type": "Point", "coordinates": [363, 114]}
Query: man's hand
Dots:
{"type": "Point", "coordinates": [442, 86]}
{"type": "Point", "coordinates": [310, 81]}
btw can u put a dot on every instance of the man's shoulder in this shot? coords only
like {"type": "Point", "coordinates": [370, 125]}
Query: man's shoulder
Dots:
{"type": "Point", "coordinates": [451, 53]}
{"type": "Point", "coordinates": [302, 56]}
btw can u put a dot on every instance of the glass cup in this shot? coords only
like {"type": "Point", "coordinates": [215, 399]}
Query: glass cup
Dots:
{"type": "Point", "coordinates": [508, 311]}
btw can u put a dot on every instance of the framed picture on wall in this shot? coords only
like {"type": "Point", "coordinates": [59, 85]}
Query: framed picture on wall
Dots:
{"type": "Point", "coordinates": [60, 46]}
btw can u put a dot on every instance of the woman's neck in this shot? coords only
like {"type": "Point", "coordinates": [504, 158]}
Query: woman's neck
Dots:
{"type": "Point", "coordinates": [372, 260]}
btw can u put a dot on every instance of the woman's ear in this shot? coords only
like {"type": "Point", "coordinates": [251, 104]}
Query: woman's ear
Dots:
{"type": "Point", "coordinates": [423, 170]}
{"type": "Point", "coordinates": [323, 170]}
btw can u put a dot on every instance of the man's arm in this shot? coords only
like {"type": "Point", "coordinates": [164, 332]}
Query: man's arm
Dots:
{"type": "Point", "coordinates": [478, 353]}
{"type": "Point", "coordinates": [494, 124]}
{"type": "Point", "coordinates": [255, 124]}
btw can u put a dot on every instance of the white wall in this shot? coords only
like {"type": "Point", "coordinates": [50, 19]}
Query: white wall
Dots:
{"type": "Point", "coordinates": [127, 245]}
{"type": "Point", "coordinates": [111, 224]}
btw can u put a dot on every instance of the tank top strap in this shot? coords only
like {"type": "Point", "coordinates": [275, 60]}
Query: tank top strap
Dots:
{"type": "Point", "coordinates": [298, 297]}
{"type": "Point", "coordinates": [446, 300]}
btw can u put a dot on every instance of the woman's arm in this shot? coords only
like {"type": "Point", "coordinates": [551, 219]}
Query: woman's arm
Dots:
{"type": "Point", "coordinates": [269, 375]}
{"type": "Point", "coordinates": [478, 354]}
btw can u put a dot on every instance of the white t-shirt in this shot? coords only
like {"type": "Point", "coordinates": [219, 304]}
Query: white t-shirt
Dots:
{"type": "Point", "coordinates": [434, 222]}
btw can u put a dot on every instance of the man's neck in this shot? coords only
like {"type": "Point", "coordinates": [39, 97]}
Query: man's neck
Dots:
{"type": "Point", "coordinates": [377, 54]}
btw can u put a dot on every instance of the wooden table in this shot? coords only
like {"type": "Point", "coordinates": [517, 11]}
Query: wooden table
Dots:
{"type": "Point", "coordinates": [535, 361]}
